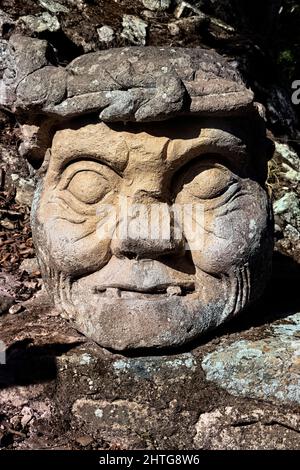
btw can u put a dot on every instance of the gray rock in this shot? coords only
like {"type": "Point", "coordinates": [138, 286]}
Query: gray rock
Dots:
{"type": "Point", "coordinates": [6, 23]}
{"type": "Point", "coordinates": [290, 162]}
{"type": "Point", "coordinates": [8, 286]}
{"type": "Point", "coordinates": [125, 402]}
{"type": "Point", "coordinates": [266, 369]}
{"type": "Point", "coordinates": [152, 367]}
{"type": "Point", "coordinates": [107, 416]}
{"type": "Point", "coordinates": [190, 25]}
{"type": "Point", "coordinates": [25, 189]}
{"type": "Point", "coordinates": [41, 23]}
{"type": "Point", "coordinates": [21, 57]}
{"type": "Point", "coordinates": [157, 4]}
{"type": "Point", "coordinates": [184, 8]}
{"type": "Point", "coordinates": [106, 34]}
{"type": "Point", "coordinates": [292, 234]}
{"type": "Point", "coordinates": [134, 30]}
{"type": "Point", "coordinates": [233, 428]}
{"type": "Point", "coordinates": [288, 208]}
{"type": "Point", "coordinates": [53, 6]}
{"type": "Point", "coordinates": [6, 301]}
{"type": "Point", "coordinates": [29, 265]}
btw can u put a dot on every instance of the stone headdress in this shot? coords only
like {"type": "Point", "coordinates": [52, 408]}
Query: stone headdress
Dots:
{"type": "Point", "coordinates": [126, 84]}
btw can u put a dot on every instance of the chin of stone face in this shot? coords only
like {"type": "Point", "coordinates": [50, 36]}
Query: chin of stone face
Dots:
{"type": "Point", "coordinates": [151, 220]}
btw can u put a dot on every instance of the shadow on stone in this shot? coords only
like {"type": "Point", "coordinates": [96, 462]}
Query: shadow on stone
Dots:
{"type": "Point", "coordinates": [28, 364]}
{"type": "Point", "coordinates": [281, 297]}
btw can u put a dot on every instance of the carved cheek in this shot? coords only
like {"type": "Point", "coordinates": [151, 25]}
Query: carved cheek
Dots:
{"type": "Point", "coordinates": [69, 217]}
{"type": "Point", "coordinates": [232, 238]}
{"type": "Point", "coordinates": [74, 251]}
{"type": "Point", "coordinates": [74, 248]}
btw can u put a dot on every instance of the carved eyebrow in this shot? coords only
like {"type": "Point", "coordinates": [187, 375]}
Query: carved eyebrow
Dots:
{"type": "Point", "coordinates": [179, 153]}
{"type": "Point", "coordinates": [109, 163]}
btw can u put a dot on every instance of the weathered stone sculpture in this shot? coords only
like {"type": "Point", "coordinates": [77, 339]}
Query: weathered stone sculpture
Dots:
{"type": "Point", "coordinates": [155, 131]}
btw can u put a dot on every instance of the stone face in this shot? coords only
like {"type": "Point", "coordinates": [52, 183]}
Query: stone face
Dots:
{"type": "Point", "coordinates": [148, 234]}
{"type": "Point", "coordinates": [267, 369]}
{"type": "Point", "coordinates": [105, 268]}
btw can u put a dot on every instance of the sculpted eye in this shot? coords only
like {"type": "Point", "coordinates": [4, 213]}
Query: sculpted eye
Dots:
{"type": "Point", "coordinates": [87, 182]}
{"type": "Point", "coordinates": [88, 186]}
{"type": "Point", "coordinates": [206, 180]}
{"type": "Point", "coordinates": [210, 183]}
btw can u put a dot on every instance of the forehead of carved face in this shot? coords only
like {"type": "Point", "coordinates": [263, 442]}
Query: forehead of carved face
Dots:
{"type": "Point", "coordinates": [150, 266]}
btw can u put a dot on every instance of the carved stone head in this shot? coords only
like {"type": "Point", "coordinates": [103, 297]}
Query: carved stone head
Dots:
{"type": "Point", "coordinates": [151, 220]}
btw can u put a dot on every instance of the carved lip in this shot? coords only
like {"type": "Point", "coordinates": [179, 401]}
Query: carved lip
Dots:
{"type": "Point", "coordinates": [132, 278]}
{"type": "Point", "coordinates": [157, 288]}
{"type": "Point", "coordinates": [127, 291]}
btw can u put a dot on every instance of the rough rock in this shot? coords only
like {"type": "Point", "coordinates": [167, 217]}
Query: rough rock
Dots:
{"type": "Point", "coordinates": [287, 219]}
{"type": "Point", "coordinates": [8, 286]}
{"type": "Point", "coordinates": [285, 183]}
{"type": "Point", "coordinates": [6, 300]}
{"type": "Point", "coordinates": [288, 207]}
{"type": "Point", "coordinates": [6, 24]}
{"type": "Point", "coordinates": [290, 162]}
{"type": "Point", "coordinates": [192, 25]}
{"type": "Point", "coordinates": [184, 8]}
{"type": "Point", "coordinates": [53, 6]}
{"type": "Point", "coordinates": [106, 34]}
{"type": "Point", "coordinates": [41, 23]}
{"type": "Point", "coordinates": [65, 392]}
{"type": "Point", "coordinates": [231, 428]}
{"type": "Point", "coordinates": [267, 369]}
{"type": "Point", "coordinates": [29, 265]}
{"type": "Point", "coordinates": [134, 30]}
{"type": "Point", "coordinates": [157, 4]}
{"type": "Point", "coordinates": [24, 190]}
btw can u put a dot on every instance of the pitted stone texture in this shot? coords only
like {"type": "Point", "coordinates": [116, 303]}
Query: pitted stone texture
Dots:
{"type": "Point", "coordinates": [231, 428]}
{"type": "Point", "coordinates": [266, 369]}
{"type": "Point", "coordinates": [129, 84]}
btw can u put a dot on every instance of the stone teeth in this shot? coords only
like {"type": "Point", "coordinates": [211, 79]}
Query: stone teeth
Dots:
{"type": "Point", "coordinates": [174, 290]}
{"type": "Point", "coordinates": [113, 292]}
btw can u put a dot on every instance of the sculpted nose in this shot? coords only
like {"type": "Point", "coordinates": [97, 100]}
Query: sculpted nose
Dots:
{"type": "Point", "coordinates": [147, 231]}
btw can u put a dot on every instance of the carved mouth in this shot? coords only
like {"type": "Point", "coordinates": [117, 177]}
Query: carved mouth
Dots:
{"type": "Point", "coordinates": [153, 293]}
